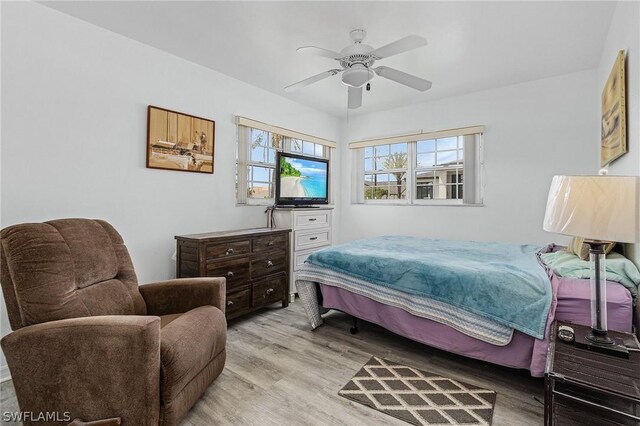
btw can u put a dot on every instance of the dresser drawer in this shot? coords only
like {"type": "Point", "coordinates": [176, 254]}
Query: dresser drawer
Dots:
{"type": "Point", "coordinates": [236, 271]}
{"type": "Point", "coordinates": [270, 242]}
{"type": "Point", "coordinates": [238, 300]}
{"type": "Point", "coordinates": [311, 238]}
{"type": "Point", "coordinates": [230, 249]}
{"type": "Point", "coordinates": [269, 290]}
{"type": "Point", "coordinates": [313, 219]}
{"type": "Point", "coordinates": [268, 263]}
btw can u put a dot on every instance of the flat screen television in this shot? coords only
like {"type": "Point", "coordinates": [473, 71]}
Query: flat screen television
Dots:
{"type": "Point", "coordinates": [301, 180]}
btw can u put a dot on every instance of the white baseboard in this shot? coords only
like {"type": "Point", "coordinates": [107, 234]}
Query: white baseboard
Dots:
{"type": "Point", "coordinates": [4, 373]}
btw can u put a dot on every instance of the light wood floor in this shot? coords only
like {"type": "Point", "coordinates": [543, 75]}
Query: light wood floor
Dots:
{"type": "Point", "coordinates": [278, 372]}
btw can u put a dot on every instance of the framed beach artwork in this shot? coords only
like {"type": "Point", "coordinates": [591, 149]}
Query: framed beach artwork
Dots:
{"type": "Point", "coordinates": [613, 125]}
{"type": "Point", "coordinates": [178, 141]}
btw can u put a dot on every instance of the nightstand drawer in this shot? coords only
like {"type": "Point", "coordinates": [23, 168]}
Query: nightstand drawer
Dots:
{"type": "Point", "coordinates": [231, 249]}
{"type": "Point", "coordinates": [311, 238]}
{"type": "Point", "coordinates": [306, 220]}
{"type": "Point", "coordinates": [586, 387]}
{"type": "Point", "coordinates": [268, 263]}
{"type": "Point", "coordinates": [301, 256]}
{"type": "Point", "coordinates": [269, 290]}
{"type": "Point", "coordinates": [270, 242]}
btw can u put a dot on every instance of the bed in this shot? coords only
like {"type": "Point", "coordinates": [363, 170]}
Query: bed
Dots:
{"type": "Point", "coordinates": [382, 280]}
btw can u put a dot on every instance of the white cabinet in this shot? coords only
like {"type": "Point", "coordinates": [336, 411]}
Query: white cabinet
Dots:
{"type": "Point", "coordinates": [310, 231]}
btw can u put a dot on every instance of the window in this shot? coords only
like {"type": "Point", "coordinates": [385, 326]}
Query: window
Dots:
{"type": "Point", "coordinates": [307, 148]}
{"type": "Point", "coordinates": [428, 168]}
{"type": "Point", "coordinates": [256, 158]}
{"type": "Point", "coordinates": [385, 172]}
{"type": "Point", "coordinates": [262, 163]}
{"type": "Point", "coordinates": [439, 169]}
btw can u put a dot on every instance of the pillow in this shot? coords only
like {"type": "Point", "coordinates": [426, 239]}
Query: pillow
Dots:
{"type": "Point", "coordinates": [619, 269]}
{"type": "Point", "coordinates": [578, 247]}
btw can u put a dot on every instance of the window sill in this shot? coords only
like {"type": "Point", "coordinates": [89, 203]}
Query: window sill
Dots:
{"type": "Point", "coordinates": [265, 204]}
{"type": "Point", "coordinates": [270, 204]}
{"type": "Point", "coordinates": [435, 204]}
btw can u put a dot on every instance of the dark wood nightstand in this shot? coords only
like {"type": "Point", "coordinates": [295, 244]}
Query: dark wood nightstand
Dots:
{"type": "Point", "coordinates": [589, 388]}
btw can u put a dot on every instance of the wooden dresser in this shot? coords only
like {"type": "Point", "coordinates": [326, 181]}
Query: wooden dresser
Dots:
{"type": "Point", "coordinates": [255, 263]}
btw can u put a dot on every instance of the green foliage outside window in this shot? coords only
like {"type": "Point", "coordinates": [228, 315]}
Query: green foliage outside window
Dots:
{"type": "Point", "coordinates": [375, 193]}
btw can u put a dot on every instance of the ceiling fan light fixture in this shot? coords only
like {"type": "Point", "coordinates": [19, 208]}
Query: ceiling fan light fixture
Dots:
{"type": "Point", "coordinates": [357, 76]}
{"type": "Point", "coordinates": [356, 65]}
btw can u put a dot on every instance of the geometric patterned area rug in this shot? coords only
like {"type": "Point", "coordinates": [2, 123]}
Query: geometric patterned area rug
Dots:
{"type": "Point", "coordinates": [419, 397]}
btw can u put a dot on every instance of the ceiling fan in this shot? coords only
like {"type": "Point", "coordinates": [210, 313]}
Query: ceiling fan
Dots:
{"type": "Point", "coordinates": [357, 62]}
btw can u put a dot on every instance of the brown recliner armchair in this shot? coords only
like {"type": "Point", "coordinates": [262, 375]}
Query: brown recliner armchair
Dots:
{"type": "Point", "coordinates": [89, 343]}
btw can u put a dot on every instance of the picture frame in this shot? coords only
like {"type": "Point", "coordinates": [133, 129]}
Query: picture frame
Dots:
{"type": "Point", "coordinates": [613, 119]}
{"type": "Point", "coordinates": [179, 141]}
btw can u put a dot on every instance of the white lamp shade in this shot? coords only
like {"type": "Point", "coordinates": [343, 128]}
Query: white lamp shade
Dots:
{"type": "Point", "coordinates": [601, 208]}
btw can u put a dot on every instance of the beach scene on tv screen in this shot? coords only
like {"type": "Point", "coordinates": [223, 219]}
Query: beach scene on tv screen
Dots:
{"type": "Point", "coordinates": [300, 178]}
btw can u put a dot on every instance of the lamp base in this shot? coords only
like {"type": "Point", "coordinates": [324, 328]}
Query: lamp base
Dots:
{"type": "Point", "coordinates": [597, 341]}
{"type": "Point", "coordinates": [599, 337]}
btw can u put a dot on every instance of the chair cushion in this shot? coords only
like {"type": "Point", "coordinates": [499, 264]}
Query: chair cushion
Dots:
{"type": "Point", "coordinates": [66, 268]}
{"type": "Point", "coordinates": [168, 319]}
{"type": "Point", "coordinates": [94, 258]}
{"type": "Point", "coordinates": [187, 344]}
{"type": "Point", "coordinates": [41, 271]}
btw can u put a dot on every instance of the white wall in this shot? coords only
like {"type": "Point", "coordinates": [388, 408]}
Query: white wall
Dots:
{"type": "Point", "coordinates": [74, 112]}
{"type": "Point", "coordinates": [534, 131]}
{"type": "Point", "coordinates": [624, 34]}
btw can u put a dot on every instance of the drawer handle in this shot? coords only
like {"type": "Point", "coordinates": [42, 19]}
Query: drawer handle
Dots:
{"type": "Point", "coordinates": [229, 251]}
{"type": "Point", "coordinates": [312, 219]}
{"type": "Point", "coordinates": [270, 243]}
{"type": "Point", "coordinates": [230, 274]}
{"type": "Point", "coordinates": [269, 291]}
{"type": "Point", "coordinates": [269, 264]}
{"type": "Point", "coordinates": [229, 303]}
{"type": "Point", "coordinates": [313, 238]}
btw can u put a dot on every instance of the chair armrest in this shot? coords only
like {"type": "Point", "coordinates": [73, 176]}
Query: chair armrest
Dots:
{"type": "Point", "coordinates": [183, 294]}
{"type": "Point", "coordinates": [90, 368]}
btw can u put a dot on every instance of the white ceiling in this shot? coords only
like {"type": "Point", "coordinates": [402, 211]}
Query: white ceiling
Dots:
{"type": "Point", "coordinates": [472, 45]}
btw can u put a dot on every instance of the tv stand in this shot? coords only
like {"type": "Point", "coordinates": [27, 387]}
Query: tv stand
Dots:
{"type": "Point", "coordinates": [311, 231]}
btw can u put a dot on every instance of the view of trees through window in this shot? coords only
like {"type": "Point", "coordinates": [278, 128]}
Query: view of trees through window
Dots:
{"type": "Point", "coordinates": [385, 171]}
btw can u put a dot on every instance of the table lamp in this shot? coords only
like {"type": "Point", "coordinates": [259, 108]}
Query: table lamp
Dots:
{"type": "Point", "coordinates": [600, 209]}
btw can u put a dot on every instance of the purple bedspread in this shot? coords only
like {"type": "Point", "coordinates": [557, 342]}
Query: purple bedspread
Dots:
{"type": "Point", "coordinates": [570, 303]}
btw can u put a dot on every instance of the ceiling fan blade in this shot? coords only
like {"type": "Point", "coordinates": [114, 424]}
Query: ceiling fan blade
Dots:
{"type": "Point", "coordinates": [319, 51]}
{"type": "Point", "coordinates": [355, 97]}
{"type": "Point", "coordinates": [404, 78]}
{"type": "Point", "coordinates": [310, 80]}
{"type": "Point", "coordinates": [403, 45]}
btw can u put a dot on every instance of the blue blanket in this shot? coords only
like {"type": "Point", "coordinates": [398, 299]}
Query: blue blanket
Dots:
{"type": "Point", "coordinates": [503, 282]}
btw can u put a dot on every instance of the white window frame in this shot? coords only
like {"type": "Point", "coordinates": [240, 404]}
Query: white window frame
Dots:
{"type": "Point", "coordinates": [244, 162]}
{"type": "Point", "coordinates": [388, 171]}
{"type": "Point", "coordinates": [473, 148]}
{"type": "Point", "coordinates": [416, 169]}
